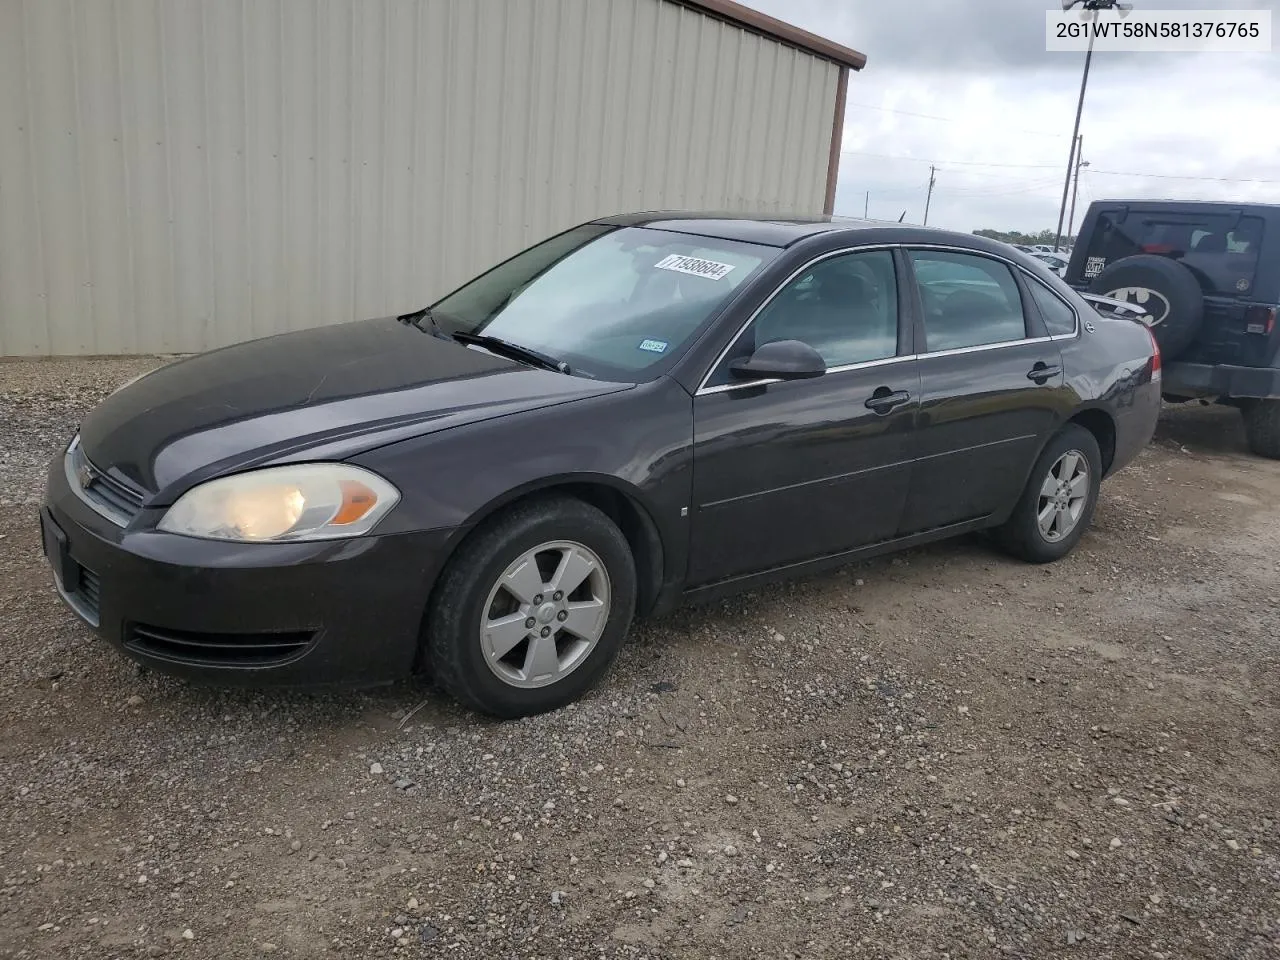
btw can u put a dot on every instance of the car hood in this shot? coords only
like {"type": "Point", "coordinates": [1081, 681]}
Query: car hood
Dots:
{"type": "Point", "coordinates": [326, 393]}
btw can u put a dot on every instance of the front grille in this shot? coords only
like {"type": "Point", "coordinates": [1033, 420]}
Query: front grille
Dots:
{"type": "Point", "coordinates": [218, 649]}
{"type": "Point", "coordinates": [88, 590]}
{"type": "Point", "coordinates": [114, 495]}
{"type": "Point", "coordinates": [115, 499]}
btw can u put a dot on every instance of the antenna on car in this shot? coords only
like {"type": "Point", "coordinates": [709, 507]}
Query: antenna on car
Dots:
{"type": "Point", "coordinates": [903, 217]}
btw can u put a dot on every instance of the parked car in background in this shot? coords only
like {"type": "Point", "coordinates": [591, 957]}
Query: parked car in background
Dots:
{"type": "Point", "coordinates": [1208, 275]}
{"type": "Point", "coordinates": [1056, 262]}
{"type": "Point", "coordinates": [639, 411]}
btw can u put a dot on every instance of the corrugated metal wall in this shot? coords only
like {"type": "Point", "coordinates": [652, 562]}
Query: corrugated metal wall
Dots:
{"type": "Point", "coordinates": [182, 174]}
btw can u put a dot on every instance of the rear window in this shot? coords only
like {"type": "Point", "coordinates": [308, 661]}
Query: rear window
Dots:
{"type": "Point", "coordinates": [1221, 249]}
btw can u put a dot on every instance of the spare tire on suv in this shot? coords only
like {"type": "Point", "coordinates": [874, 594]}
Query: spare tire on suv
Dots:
{"type": "Point", "coordinates": [1166, 289]}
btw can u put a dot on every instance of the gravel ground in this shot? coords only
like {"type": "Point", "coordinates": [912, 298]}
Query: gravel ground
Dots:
{"type": "Point", "coordinates": [944, 754]}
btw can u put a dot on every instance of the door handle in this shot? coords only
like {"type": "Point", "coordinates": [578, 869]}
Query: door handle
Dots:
{"type": "Point", "coordinates": [1042, 371]}
{"type": "Point", "coordinates": [884, 400]}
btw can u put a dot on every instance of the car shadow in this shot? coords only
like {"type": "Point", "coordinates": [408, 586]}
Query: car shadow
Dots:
{"type": "Point", "coordinates": [413, 701]}
{"type": "Point", "coordinates": [903, 566]}
{"type": "Point", "coordinates": [1202, 428]}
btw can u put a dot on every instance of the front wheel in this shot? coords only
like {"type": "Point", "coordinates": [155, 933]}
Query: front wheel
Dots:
{"type": "Point", "coordinates": [533, 609]}
{"type": "Point", "coordinates": [1057, 504]}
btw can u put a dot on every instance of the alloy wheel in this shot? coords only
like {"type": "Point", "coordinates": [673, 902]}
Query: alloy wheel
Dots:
{"type": "Point", "coordinates": [1063, 496]}
{"type": "Point", "coordinates": [545, 614]}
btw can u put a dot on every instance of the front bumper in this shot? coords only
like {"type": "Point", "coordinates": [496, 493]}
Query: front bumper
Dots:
{"type": "Point", "coordinates": [1192, 380]}
{"type": "Point", "coordinates": [297, 614]}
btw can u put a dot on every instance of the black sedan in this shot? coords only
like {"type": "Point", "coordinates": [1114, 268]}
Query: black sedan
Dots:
{"type": "Point", "coordinates": [639, 411]}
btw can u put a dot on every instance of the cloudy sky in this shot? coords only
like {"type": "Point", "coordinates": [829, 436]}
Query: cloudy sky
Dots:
{"type": "Point", "coordinates": [967, 84]}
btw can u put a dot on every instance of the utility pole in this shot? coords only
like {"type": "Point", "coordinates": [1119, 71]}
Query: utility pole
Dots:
{"type": "Point", "coordinates": [1075, 132]}
{"type": "Point", "coordinates": [1093, 6]}
{"type": "Point", "coordinates": [929, 195]}
{"type": "Point", "coordinates": [1075, 187]}
{"type": "Point", "coordinates": [866, 207]}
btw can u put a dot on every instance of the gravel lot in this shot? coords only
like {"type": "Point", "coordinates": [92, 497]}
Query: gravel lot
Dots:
{"type": "Point", "coordinates": [946, 754]}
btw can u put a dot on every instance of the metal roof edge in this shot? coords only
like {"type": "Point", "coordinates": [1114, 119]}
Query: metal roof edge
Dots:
{"type": "Point", "coordinates": [775, 29]}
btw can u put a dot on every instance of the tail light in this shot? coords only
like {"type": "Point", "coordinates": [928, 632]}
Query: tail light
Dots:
{"type": "Point", "coordinates": [1260, 320]}
{"type": "Point", "coordinates": [1155, 356]}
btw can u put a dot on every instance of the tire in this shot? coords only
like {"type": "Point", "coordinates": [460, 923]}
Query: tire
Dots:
{"type": "Point", "coordinates": [481, 583]}
{"type": "Point", "coordinates": [1262, 427]}
{"type": "Point", "coordinates": [1022, 535]}
{"type": "Point", "coordinates": [1166, 288]}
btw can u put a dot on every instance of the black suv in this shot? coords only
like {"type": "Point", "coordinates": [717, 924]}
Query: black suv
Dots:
{"type": "Point", "coordinates": [1208, 277]}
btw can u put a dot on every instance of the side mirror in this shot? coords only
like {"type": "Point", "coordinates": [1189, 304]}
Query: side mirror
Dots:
{"type": "Point", "coordinates": [780, 360]}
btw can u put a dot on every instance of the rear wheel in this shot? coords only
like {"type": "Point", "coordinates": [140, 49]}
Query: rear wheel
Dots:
{"type": "Point", "coordinates": [533, 609]}
{"type": "Point", "coordinates": [1057, 505]}
{"type": "Point", "coordinates": [1262, 427]}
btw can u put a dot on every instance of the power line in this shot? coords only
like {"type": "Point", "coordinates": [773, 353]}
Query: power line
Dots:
{"type": "Point", "coordinates": [1033, 187]}
{"type": "Point", "coordinates": [950, 163]}
{"type": "Point", "coordinates": [1041, 166]}
{"type": "Point", "coordinates": [911, 193]}
{"type": "Point", "coordinates": [1007, 185]}
{"type": "Point", "coordinates": [905, 113]}
{"type": "Point", "coordinates": [934, 116]}
{"type": "Point", "coordinates": [1086, 188]}
{"type": "Point", "coordinates": [1002, 176]}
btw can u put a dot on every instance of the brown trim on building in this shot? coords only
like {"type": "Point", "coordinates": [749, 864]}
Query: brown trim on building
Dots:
{"type": "Point", "coordinates": [837, 141]}
{"type": "Point", "coordinates": [758, 22]}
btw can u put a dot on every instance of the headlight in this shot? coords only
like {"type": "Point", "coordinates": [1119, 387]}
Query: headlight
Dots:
{"type": "Point", "coordinates": [310, 501]}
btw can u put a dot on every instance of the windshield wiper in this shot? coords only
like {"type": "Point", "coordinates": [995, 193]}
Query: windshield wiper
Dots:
{"type": "Point", "coordinates": [513, 350]}
{"type": "Point", "coordinates": [496, 344]}
{"type": "Point", "coordinates": [418, 316]}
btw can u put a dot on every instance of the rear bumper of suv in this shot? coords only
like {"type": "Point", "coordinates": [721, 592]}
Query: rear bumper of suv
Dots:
{"type": "Point", "coordinates": [1191, 380]}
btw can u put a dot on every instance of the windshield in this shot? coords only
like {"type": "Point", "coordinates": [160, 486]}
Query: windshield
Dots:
{"type": "Point", "coordinates": [613, 303]}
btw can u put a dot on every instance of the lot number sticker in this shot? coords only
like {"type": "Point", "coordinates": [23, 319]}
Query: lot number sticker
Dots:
{"type": "Point", "coordinates": [695, 266]}
{"type": "Point", "coordinates": [654, 346]}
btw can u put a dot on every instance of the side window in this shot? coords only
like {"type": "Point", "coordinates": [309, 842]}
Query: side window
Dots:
{"type": "Point", "coordinates": [968, 300]}
{"type": "Point", "coordinates": [845, 307]}
{"type": "Point", "coordinates": [1059, 318]}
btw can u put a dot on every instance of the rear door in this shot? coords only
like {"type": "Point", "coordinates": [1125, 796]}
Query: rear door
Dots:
{"type": "Point", "coordinates": [991, 387]}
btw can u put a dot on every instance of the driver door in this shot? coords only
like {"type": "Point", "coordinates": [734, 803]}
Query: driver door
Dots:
{"type": "Point", "coordinates": [788, 471]}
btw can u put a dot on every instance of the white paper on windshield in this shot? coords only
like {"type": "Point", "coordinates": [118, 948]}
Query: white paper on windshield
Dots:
{"type": "Point", "coordinates": [695, 266]}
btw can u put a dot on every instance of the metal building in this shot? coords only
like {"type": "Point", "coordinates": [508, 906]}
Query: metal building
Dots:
{"type": "Point", "coordinates": [177, 175]}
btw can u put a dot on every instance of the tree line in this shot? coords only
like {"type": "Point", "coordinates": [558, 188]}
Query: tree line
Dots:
{"type": "Point", "coordinates": [1026, 239]}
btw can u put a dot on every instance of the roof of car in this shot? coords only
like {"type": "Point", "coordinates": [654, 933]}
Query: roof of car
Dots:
{"type": "Point", "coordinates": [1200, 204]}
{"type": "Point", "coordinates": [773, 231]}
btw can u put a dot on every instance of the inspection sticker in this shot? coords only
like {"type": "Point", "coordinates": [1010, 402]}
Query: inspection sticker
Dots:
{"type": "Point", "coordinates": [695, 266]}
{"type": "Point", "coordinates": [654, 346]}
